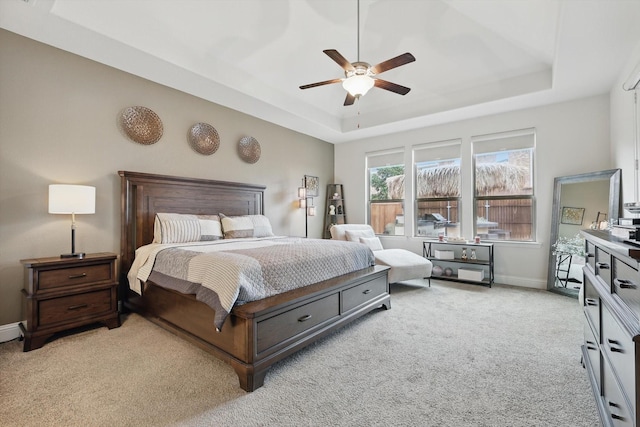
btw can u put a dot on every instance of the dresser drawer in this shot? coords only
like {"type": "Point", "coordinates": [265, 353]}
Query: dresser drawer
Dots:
{"type": "Point", "coordinates": [614, 402]}
{"type": "Point", "coordinates": [73, 307]}
{"type": "Point", "coordinates": [620, 350]}
{"type": "Point", "coordinates": [603, 266]}
{"type": "Point", "coordinates": [286, 325]}
{"type": "Point", "coordinates": [70, 276]}
{"type": "Point", "coordinates": [353, 297]}
{"type": "Point", "coordinates": [592, 305]}
{"type": "Point", "coordinates": [593, 353]}
{"type": "Point", "coordinates": [626, 285]}
{"type": "Point", "coordinates": [590, 256]}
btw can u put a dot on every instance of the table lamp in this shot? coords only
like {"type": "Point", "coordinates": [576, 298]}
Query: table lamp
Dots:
{"type": "Point", "coordinates": [72, 199]}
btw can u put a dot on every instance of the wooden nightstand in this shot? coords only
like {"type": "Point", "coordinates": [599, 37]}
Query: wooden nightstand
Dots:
{"type": "Point", "coordinates": [64, 293]}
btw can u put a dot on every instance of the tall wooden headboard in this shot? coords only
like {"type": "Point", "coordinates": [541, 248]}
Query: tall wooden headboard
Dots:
{"type": "Point", "coordinates": [143, 195]}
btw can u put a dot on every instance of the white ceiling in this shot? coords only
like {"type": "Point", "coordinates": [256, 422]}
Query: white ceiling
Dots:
{"type": "Point", "coordinates": [473, 57]}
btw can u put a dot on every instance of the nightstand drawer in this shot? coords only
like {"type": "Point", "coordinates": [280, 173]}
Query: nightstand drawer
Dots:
{"type": "Point", "coordinates": [48, 279]}
{"type": "Point", "coordinates": [64, 309]}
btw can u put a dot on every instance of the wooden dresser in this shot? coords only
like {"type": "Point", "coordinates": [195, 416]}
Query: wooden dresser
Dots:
{"type": "Point", "coordinates": [611, 350]}
{"type": "Point", "coordinates": [64, 293]}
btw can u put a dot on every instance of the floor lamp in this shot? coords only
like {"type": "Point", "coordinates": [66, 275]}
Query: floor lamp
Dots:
{"type": "Point", "coordinates": [306, 202]}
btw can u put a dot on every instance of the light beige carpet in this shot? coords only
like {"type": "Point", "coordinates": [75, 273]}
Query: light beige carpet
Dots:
{"type": "Point", "coordinates": [449, 355]}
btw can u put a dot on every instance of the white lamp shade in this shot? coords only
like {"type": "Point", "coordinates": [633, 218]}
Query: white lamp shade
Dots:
{"type": "Point", "coordinates": [358, 85]}
{"type": "Point", "coordinates": [72, 199]}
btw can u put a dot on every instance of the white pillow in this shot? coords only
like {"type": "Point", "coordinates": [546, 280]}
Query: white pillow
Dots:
{"type": "Point", "coordinates": [372, 242]}
{"type": "Point", "coordinates": [210, 227]}
{"type": "Point", "coordinates": [176, 228]}
{"type": "Point", "coordinates": [235, 227]}
{"type": "Point", "coordinates": [355, 235]}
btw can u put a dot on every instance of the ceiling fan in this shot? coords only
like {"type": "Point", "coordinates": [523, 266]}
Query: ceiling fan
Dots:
{"type": "Point", "coordinates": [360, 76]}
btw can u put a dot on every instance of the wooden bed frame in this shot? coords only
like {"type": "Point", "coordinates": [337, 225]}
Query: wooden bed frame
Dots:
{"type": "Point", "coordinates": [256, 334]}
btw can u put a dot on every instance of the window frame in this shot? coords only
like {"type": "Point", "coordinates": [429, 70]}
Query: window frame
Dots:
{"type": "Point", "coordinates": [508, 141]}
{"type": "Point", "coordinates": [434, 152]}
{"type": "Point", "coordinates": [395, 157]}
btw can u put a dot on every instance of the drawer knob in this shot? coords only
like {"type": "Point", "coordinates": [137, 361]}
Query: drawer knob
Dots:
{"type": "Point", "coordinates": [590, 255]}
{"type": "Point", "coordinates": [77, 307]}
{"type": "Point", "coordinates": [624, 284]}
{"type": "Point", "coordinates": [78, 276]}
{"type": "Point", "coordinates": [367, 291]}
{"type": "Point", "coordinates": [304, 318]}
{"type": "Point", "coordinates": [591, 301]}
{"type": "Point", "coordinates": [603, 265]}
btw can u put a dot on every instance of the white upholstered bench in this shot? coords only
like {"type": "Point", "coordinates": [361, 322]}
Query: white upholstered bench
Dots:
{"type": "Point", "coordinates": [404, 264]}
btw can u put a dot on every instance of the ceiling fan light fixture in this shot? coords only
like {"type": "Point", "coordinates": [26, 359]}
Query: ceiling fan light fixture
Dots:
{"type": "Point", "coordinates": [358, 85]}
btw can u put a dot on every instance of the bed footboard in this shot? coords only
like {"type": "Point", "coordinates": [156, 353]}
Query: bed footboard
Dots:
{"type": "Point", "coordinates": [258, 334]}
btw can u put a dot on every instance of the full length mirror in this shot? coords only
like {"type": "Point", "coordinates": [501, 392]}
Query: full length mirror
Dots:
{"type": "Point", "coordinates": [582, 201]}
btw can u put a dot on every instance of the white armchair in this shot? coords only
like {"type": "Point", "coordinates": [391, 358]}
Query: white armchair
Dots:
{"type": "Point", "coordinates": [404, 264]}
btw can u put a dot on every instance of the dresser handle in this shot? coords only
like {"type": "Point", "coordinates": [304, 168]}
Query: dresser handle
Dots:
{"type": "Point", "coordinates": [617, 417]}
{"type": "Point", "coordinates": [613, 343]}
{"type": "Point", "coordinates": [590, 255]}
{"type": "Point", "coordinates": [591, 301]}
{"type": "Point", "coordinates": [78, 276]}
{"type": "Point", "coordinates": [624, 284]}
{"type": "Point", "coordinates": [77, 307]}
{"type": "Point", "coordinates": [591, 347]}
{"type": "Point", "coordinates": [304, 318]}
{"type": "Point", "coordinates": [603, 265]}
{"type": "Point", "coordinates": [368, 291]}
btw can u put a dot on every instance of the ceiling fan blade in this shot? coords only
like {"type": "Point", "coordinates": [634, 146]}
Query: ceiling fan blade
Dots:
{"type": "Point", "coordinates": [340, 60]}
{"type": "Point", "coordinates": [392, 87]}
{"type": "Point", "coordinates": [326, 82]}
{"type": "Point", "coordinates": [349, 100]}
{"type": "Point", "coordinates": [399, 60]}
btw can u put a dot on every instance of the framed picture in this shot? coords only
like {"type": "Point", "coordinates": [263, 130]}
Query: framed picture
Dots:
{"type": "Point", "coordinates": [572, 216]}
{"type": "Point", "coordinates": [311, 184]}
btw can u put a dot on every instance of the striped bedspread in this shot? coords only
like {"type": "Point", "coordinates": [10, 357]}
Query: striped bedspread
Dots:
{"type": "Point", "coordinates": [225, 272]}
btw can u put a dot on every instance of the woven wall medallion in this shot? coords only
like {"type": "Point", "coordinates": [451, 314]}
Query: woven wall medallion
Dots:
{"type": "Point", "coordinates": [204, 138]}
{"type": "Point", "coordinates": [249, 149]}
{"type": "Point", "coordinates": [141, 125]}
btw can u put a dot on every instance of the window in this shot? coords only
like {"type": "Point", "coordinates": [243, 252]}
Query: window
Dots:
{"type": "Point", "coordinates": [385, 174]}
{"type": "Point", "coordinates": [504, 193]}
{"type": "Point", "coordinates": [437, 189]}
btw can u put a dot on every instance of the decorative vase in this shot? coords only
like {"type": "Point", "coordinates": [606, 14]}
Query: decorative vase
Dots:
{"type": "Point", "coordinates": [473, 254]}
{"type": "Point", "coordinates": [464, 254]}
{"type": "Point", "coordinates": [448, 271]}
{"type": "Point", "coordinates": [436, 270]}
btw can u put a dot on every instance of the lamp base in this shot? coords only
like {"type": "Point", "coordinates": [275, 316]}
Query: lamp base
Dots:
{"type": "Point", "coordinates": [73, 255]}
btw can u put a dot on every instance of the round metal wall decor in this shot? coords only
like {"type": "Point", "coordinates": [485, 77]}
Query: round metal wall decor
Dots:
{"type": "Point", "coordinates": [249, 149]}
{"type": "Point", "coordinates": [141, 125]}
{"type": "Point", "coordinates": [204, 138]}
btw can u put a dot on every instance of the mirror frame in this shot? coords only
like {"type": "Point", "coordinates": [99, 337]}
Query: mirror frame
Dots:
{"type": "Point", "coordinates": [613, 175]}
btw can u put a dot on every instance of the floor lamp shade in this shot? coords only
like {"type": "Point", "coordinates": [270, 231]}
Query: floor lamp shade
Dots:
{"type": "Point", "coordinates": [72, 199]}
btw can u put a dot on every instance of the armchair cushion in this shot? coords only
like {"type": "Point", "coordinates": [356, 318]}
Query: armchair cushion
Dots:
{"type": "Point", "coordinates": [404, 264]}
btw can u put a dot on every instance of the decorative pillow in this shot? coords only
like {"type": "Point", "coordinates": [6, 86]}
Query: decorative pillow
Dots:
{"type": "Point", "coordinates": [210, 227]}
{"type": "Point", "coordinates": [355, 235]}
{"type": "Point", "coordinates": [176, 228]}
{"type": "Point", "coordinates": [373, 243]}
{"type": "Point", "coordinates": [235, 227]}
{"type": "Point", "coordinates": [261, 226]}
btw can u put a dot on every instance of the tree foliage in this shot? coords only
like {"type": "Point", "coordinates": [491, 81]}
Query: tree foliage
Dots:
{"type": "Point", "coordinates": [379, 189]}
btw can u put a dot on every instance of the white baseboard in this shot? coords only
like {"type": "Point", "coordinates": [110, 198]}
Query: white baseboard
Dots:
{"type": "Point", "coordinates": [524, 282]}
{"type": "Point", "coordinates": [9, 332]}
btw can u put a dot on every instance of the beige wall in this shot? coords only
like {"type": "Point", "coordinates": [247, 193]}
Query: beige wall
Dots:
{"type": "Point", "coordinates": [58, 116]}
{"type": "Point", "coordinates": [571, 138]}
